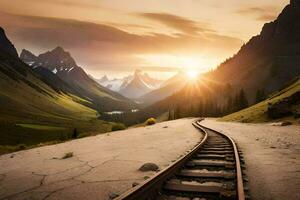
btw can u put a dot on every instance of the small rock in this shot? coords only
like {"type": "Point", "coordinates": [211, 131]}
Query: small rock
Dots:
{"type": "Point", "coordinates": [256, 139]}
{"type": "Point", "coordinates": [113, 195]}
{"type": "Point", "coordinates": [273, 147]}
{"type": "Point", "coordinates": [11, 156]}
{"type": "Point", "coordinates": [68, 155]}
{"type": "Point", "coordinates": [135, 184]}
{"type": "Point", "coordinates": [165, 127]}
{"type": "Point", "coordinates": [148, 167]}
{"type": "Point", "coordinates": [286, 123]}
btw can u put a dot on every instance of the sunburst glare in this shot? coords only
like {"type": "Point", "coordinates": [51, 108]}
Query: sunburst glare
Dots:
{"type": "Point", "coordinates": [192, 74]}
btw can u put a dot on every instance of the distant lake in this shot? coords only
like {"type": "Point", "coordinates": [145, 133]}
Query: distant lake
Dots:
{"type": "Point", "coordinates": [118, 112]}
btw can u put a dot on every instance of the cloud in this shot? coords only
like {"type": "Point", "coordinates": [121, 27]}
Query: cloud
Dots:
{"type": "Point", "coordinates": [128, 25]}
{"type": "Point", "coordinates": [267, 13]}
{"type": "Point", "coordinates": [182, 24]}
{"type": "Point", "coordinates": [69, 3]}
{"type": "Point", "coordinates": [100, 46]}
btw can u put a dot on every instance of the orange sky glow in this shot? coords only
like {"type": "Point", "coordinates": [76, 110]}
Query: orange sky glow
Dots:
{"type": "Point", "coordinates": [115, 37]}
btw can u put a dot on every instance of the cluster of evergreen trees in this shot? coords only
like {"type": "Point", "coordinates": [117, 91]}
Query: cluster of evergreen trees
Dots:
{"type": "Point", "coordinates": [260, 96]}
{"type": "Point", "coordinates": [236, 103]}
{"type": "Point", "coordinates": [210, 107]}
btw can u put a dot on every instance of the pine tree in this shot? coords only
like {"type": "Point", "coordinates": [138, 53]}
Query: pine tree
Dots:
{"type": "Point", "coordinates": [243, 102]}
{"type": "Point", "coordinates": [260, 96]}
{"type": "Point", "coordinates": [236, 103]}
{"type": "Point", "coordinates": [170, 115]}
{"type": "Point", "coordinates": [229, 107]}
{"type": "Point", "coordinates": [191, 112]}
{"type": "Point", "coordinates": [177, 113]}
{"type": "Point", "coordinates": [200, 109]}
{"type": "Point", "coordinates": [75, 133]}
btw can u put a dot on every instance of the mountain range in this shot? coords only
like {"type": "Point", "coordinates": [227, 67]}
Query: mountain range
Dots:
{"type": "Point", "coordinates": [144, 89]}
{"type": "Point", "coordinates": [132, 86]}
{"type": "Point", "coordinates": [27, 98]}
{"type": "Point", "coordinates": [49, 97]}
{"type": "Point", "coordinates": [59, 63]}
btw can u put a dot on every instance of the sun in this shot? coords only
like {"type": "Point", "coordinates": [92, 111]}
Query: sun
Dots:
{"type": "Point", "coordinates": [192, 74]}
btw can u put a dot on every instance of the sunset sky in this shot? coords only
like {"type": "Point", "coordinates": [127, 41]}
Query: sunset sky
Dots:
{"type": "Point", "coordinates": [115, 37]}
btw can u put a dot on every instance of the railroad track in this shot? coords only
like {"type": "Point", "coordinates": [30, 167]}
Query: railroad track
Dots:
{"type": "Point", "coordinates": [210, 171]}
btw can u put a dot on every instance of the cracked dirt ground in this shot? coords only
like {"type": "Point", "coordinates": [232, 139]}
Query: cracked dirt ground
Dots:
{"type": "Point", "coordinates": [100, 165]}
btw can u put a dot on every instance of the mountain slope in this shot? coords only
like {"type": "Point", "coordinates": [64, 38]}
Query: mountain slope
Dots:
{"type": "Point", "coordinates": [32, 111]}
{"type": "Point", "coordinates": [60, 63]}
{"type": "Point", "coordinates": [103, 79]}
{"type": "Point", "coordinates": [135, 87]}
{"type": "Point", "coordinates": [269, 59]}
{"type": "Point", "coordinates": [286, 102]}
{"type": "Point", "coordinates": [114, 84]}
{"type": "Point", "coordinates": [265, 63]}
{"type": "Point", "coordinates": [168, 88]}
{"type": "Point", "coordinates": [152, 83]}
{"type": "Point", "coordinates": [5, 45]}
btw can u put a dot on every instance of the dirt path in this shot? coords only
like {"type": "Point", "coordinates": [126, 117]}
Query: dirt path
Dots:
{"type": "Point", "coordinates": [101, 166]}
{"type": "Point", "coordinates": [272, 155]}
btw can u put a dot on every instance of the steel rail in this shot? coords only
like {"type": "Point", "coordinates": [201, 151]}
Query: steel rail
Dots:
{"type": "Point", "coordinates": [152, 186]}
{"type": "Point", "coordinates": [240, 184]}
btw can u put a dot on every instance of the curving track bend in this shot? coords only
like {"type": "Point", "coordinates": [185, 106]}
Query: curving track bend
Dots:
{"type": "Point", "coordinates": [210, 171]}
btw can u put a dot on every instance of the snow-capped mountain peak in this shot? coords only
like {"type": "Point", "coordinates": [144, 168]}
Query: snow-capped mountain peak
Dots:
{"type": "Point", "coordinates": [103, 79]}
{"type": "Point", "coordinates": [131, 86]}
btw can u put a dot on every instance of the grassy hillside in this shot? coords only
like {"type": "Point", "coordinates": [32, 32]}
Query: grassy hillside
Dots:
{"type": "Point", "coordinates": [259, 112]}
{"type": "Point", "coordinates": [33, 112]}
